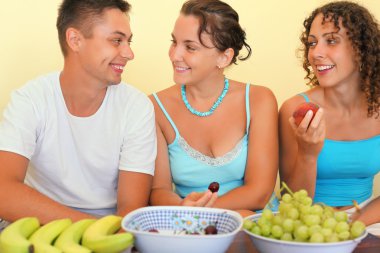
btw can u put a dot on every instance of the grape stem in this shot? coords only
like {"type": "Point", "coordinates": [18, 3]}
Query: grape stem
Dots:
{"type": "Point", "coordinates": [356, 205]}
{"type": "Point", "coordinates": [285, 186]}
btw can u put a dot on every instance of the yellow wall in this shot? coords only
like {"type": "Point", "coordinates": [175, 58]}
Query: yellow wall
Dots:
{"type": "Point", "coordinates": [29, 44]}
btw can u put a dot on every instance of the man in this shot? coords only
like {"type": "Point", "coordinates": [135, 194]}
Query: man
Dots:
{"type": "Point", "coordinates": [77, 143]}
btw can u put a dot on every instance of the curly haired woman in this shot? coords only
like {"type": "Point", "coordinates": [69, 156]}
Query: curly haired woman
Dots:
{"type": "Point", "coordinates": [334, 154]}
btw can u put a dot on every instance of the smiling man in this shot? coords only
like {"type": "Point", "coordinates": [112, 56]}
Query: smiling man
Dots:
{"type": "Point", "coordinates": [79, 143]}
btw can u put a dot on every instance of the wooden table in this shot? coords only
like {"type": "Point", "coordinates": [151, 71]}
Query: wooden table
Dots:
{"type": "Point", "coordinates": [243, 244]}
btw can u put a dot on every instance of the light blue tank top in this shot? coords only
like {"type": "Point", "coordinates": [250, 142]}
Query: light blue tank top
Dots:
{"type": "Point", "coordinates": [194, 171]}
{"type": "Point", "coordinates": [346, 169]}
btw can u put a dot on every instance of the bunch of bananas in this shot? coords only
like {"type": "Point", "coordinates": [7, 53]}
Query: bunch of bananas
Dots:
{"type": "Point", "coordinates": [62, 236]}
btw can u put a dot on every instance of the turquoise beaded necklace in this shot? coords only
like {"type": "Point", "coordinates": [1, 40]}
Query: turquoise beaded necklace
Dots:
{"type": "Point", "coordinates": [212, 109]}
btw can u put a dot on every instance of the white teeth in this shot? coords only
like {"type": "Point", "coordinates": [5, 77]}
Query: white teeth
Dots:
{"type": "Point", "coordinates": [120, 67]}
{"type": "Point", "coordinates": [181, 68]}
{"type": "Point", "coordinates": [321, 68]}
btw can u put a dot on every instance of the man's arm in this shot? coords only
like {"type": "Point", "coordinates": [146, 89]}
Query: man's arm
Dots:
{"type": "Point", "coordinates": [133, 191]}
{"type": "Point", "coordinates": [18, 200]}
{"type": "Point", "coordinates": [137, 157]}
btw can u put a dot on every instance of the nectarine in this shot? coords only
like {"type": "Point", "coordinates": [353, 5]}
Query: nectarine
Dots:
{"type": "Point", "coordinates": [302, 109]}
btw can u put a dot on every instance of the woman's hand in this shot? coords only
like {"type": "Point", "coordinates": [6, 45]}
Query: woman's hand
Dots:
{"type": "Point", "coordinates": [205, 199]}
{"type": "Point", "coordinates": [310, 133]}
{"type": "Point", "coordinates": [245, 213]}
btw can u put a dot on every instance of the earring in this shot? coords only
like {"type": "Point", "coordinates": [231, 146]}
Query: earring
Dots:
{"type": "Point", "coordinates": [218, 66]}
{"type": "Point", "coordinates": [361, 67]}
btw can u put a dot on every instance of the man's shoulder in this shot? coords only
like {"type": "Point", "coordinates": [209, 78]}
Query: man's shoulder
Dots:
{"type": "Point", "coordinates": [41, 84]}
{"type": "Point", "coordinates": [126, 89]}
{"type": "Point", "coordinates": [128, 93]}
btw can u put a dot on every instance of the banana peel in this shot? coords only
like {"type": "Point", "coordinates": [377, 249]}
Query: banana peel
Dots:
{"type": "Point", "coordinates": [69, 240]}
{"type": "Point", "coordinates": [14, 238]}
{"type": "Point", "coordinates": [43, 238]}
{"type": "Point", "coordinates": [85, 236]}
{"type": "Point", "coordinates": [100, 236]}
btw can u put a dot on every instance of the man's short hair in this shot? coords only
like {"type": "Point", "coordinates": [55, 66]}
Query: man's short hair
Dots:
{"type": "Point", "coordinates": [82, 15]}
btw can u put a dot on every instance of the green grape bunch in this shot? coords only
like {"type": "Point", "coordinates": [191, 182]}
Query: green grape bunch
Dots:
{"type": "Point", "coordinates": [300, 220]}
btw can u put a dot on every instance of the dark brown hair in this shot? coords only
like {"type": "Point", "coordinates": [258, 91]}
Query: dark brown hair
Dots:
{"type": "Point", "coordinates": [82, 14]}
{"type": "Point", "coordinates": [364, 33]}
{"type": "Point", "coordinates": [221, 22]}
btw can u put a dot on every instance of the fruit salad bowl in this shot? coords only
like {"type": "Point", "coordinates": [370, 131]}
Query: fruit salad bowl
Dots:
{"type": "Point", "coordinates": [173, 229]}
{"type": "Point", "coordinates": [269, 245]}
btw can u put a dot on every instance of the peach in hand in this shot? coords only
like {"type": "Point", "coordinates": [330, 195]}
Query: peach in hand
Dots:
{"type": "Point", "coordinates": [302, 109]}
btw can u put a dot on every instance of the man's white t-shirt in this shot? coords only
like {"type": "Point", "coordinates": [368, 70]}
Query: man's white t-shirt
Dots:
{"type": "Point", "coordinates": [76, 160]}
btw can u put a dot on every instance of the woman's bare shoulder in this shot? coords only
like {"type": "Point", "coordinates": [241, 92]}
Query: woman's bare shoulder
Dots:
{"type": "Point", "coordinates": [166, 94]}
{"type": "Point", "coordinates": [291, 103]}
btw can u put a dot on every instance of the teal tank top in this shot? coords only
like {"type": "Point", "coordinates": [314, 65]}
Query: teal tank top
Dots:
{"type": "Point", "coordinates": [193, 171]}
{"type": "Point", "coordinates": [346, 169]}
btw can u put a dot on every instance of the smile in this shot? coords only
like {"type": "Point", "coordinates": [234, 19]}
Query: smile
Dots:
{"type": "Point", "coordinates": [119, 67]}
{"type": "Point", "coordinates": [181, 68]}
{"type": "Point", "coordinates": [324, 67]}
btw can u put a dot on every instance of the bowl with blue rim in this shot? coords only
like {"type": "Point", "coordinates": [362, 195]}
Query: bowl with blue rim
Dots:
{"type": "Point", "coordinates": [173, 229]}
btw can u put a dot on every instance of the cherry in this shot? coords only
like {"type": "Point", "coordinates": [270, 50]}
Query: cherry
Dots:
{"type": "Point", "coordinates": [153, 230]}
{"type": "Point", "coordinates": [211, 230]}
{"type": "Point", "coordinates": [214, 187]}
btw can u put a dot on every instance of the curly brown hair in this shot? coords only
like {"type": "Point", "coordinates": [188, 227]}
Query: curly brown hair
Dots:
{"type": "Point", "coordinates": [364, 33]}
{"type": "Point", "coordinates": [221, 21]}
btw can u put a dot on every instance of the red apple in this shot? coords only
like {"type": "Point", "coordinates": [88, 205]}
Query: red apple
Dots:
{"type": "Point", "coordinates": [302, 109]}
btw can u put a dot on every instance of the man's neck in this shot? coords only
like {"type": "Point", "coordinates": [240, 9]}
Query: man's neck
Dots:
{"type": "Point", "coordinates": [82, 95]}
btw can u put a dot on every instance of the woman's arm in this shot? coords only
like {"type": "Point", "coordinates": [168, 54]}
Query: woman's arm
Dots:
{"type": "Point", "coordinates": [162, 189]}
{"type": "Point", "coordinates": [369, 214]}
{"type": "Point", "coordinates": [262, 161]}
{"type": "Point", "coordinates": [300, 146]}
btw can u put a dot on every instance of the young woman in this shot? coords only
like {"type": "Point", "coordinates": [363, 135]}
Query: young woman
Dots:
{"type": "Point", "coordinates": [211, 128]}
{"type": "Point", "coordinates": [335, 154]}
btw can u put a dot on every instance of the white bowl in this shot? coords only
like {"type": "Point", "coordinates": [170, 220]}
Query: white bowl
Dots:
{"type": "Point", "coordinates": [269, 245]}
{"type": "Point", "coordinates": [173, 221]}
